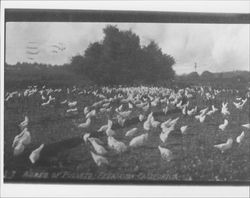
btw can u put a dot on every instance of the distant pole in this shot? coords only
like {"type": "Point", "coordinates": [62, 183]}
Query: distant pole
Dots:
{"type": "Point", "coordinates": [195, 66]}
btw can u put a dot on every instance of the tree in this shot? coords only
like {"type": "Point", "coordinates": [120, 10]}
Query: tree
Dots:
{"type": "Point", "coordinates": [120, 59]}
{"type": "Point", "coordinates": [193, 76]}
{"type": "Point", "coordinates": [207, 75]}
{"type": "Point", "coordinates": [77, 63]}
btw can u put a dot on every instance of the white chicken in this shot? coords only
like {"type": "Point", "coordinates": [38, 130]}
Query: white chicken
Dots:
{"type": "Point", "coordinates": [201, 117]}
{"type": "Point", "coordinates": [17, 139]}
{"type": "Point", "coordinates": [125, 114]}
{"type": "Point", "coordinates": [98, 148]}
{"type": "Point", "coordinates": [19, 148]}
{"type": "Point", "coordinates": [209, 113]}
{"type": "Point", "coordinates": [74, 110]}
{"type": "Point", "coordinates": [192, 111]}
{"type": "Point", "coordinates": [118, 146]}
{"type": "Point", "coordinates": [103, 128]}
{"type": "Point", "coordinates": [246, 125]}
{"type": "Point", "coordinates": [166, 123]}
{"type": "Point", "coordinates": [24, 123]}
{"type": "Point", "coordinates": [166, 154]}
{"type": "Point", "coordinates": [24, 138]}
{"type": "Point", "coordinates": [91, 114]}
{"type": "Point", "coordinates": [145, 108]}
{"type": "Point", "coordinates": [174, 121]}
{"type": "Point", "coordinates": [240, 138]}
{"type": "Point", "coordinates": [154, 123]}
{"type": "Point", "coordinates": [130, 106]}
{"type": "Point", "coordinates": [224, 125]}
{"type": "Point", "coordinates": [165, 132]}
{"type": "Point", "coordinates": [214, 108]}
{"type": "Point", "coordinates": [238, 105]}
{"type": "Point", "coordinates": [85, 124]}
{"type": "Point", "coordinates": [121, 120]}
{"type": "Point", "coordinates": [139, 140]}
{"type": "Point", "coordinates": [120, 107]}
{"type": "Point", "coordinates": [85, 110]}
{"type": "Point", "coordinates": [203, 111]}
{"type": "Point", "coordinates": [147, 124]}
{"type": "Point", "coordinates": [85, 137]}
{"type": "Point", "coordinates": [64, 102]}
{"type": "Point", "coordinates": [165, 110]}
{"type": "Point", "coordinates": [224, 109]}
{"type": "Point", "coordinates": [72, 104]}
{"type": "Point", "coordinates": [141, 117]}
{"type": "Point", "coordinates": [131, 132]}
{"type": "Point", "coordinates": [225, 146]}
{"type": "Point", "coordinates": [183, 129]}
{"type": "Point", "coordinates": [109, 131]}
{"type": "Point", "coordinates": [98, 159]}
{"type": "Point", "coordinates": [35, 155]}
{"type": "Point", "coordinates": [46, 103]}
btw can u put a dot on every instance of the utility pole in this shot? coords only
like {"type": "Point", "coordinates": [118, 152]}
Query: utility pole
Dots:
{"type": "Point", "coordinates": [195, 66]}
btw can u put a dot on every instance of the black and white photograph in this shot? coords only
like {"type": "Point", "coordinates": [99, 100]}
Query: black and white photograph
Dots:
{"type": "Point", "coordinates": [126, 97]}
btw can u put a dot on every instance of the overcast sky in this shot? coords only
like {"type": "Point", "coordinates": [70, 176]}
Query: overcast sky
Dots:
{"type": "Point", "coordinates": [215, 47]}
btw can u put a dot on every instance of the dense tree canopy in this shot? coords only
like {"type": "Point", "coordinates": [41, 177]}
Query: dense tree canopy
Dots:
{"type": "Point", "coordinates": [207, 75]}
{"type": "Point", "coordinates": [120, 59]}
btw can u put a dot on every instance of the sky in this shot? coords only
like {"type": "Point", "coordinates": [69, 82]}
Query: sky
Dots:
{"type": "Point", "coordinates": [214, 47]}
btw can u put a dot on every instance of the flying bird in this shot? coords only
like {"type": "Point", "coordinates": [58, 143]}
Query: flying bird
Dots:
{"type": "Point", "coordinates": [32, 48]}
{"type": "Point", "coordinates": [32, 53]}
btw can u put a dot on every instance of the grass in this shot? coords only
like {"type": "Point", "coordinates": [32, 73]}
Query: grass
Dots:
{"type": "Point", "coordinates": [195, 158]}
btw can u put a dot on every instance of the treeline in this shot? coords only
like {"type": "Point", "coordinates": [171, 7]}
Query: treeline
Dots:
{"type": "Point", "coordinates": [120, 59]}
{"type": "Point", "coordinates": [22, 75]}
{"type": "Point", "coordinates": [232, 79]}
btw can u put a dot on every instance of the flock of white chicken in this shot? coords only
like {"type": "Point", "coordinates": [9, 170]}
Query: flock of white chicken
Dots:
{"type": "Point", "coordinates": [140, 99]}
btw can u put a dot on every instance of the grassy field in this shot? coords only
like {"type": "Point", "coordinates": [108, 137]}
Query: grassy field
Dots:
{"type": "Point", "coordinates": [195, 158]}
